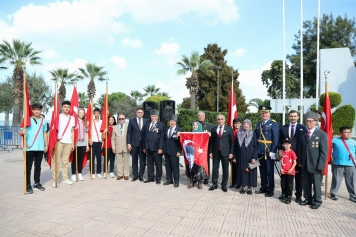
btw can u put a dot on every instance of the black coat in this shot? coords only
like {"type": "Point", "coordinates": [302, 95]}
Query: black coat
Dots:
{"type": "Point", "coordinates": [154, 140]}
{"type": "Point", "coordinates": [226, 142]}
{"type": "Point", "coordinates": [172, 145]}
{"type": "Point", "coordinates": [134, 135]}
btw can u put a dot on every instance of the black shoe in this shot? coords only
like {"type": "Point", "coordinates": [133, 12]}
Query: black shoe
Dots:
{"type": "Point", "coordinates": [314, 206]}
{"type": "Point", "coordinates": [38, 186]}
{"type": "Point", "coordinates": [213, 187]}
{"type": "Point", "coordinates": [280, 197]}
{"type": "Point", "coordinates": [242, 191]}
{"type": "Point", "coordinates": [224, 189]}
{"type": "Point", "coordinates": [168, 182]}
{"type": "Point", "coordinates": [134, 179]}
{"type": "Point", "coordinates": [249, 192]}
{"type": "Point", "coordinates": [206, 181]}
{"type": "Point", "coordinates": [176, 185]}
{"type": "Point", "coordinates": [261, 190]}
{"type": "Point", "coordinates": [288, 200]}
{"type": "Point", "coordinates": [298, 199]}
{"type": "Point", "coordinates": [269, 194]}
{"type": "Point", "coordinates": [284, 199]}
{"type": "Point", "coordinates": [29, 189]}
{"type": "Point", "coordinates": [238, 186]}
{"type": "Point", "coordinates": [305, 202]}
{"type": "Point", "coordinates": [158, 182]}
{"type": "Point", "coordinates": [149, 181]}
{"type": "Point", "coordinates": [333, 196]}
{"type": "Point", "coordinates": [140, 178]}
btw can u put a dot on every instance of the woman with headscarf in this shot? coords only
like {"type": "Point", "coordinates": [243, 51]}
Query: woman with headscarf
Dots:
{"type": "Point", "coordinates": [246, 152]}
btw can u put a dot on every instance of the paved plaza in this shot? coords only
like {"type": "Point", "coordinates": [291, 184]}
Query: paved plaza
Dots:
{"type": "Point", "coordinates": [107, 207]}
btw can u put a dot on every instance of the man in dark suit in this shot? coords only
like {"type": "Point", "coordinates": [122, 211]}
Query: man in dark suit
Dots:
{"type": "Point", "coordinates": [222, 148]}
{"type": "Point", "coordinates": [314, 145]}
{"type": "Point", "coordinates": [172, 150]}
{"type": "Point", "coordinates": [267, 133]}
{"type": "Point", "coordinates": [153, 146]}
{"type": "Point", "coordinates": [292, 131]}
{"type": "Point", "coordinates": [206, 127]}
{"type": "Point", "coordinates": [135, 144]}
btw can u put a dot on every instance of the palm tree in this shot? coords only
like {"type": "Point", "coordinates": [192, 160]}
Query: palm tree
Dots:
{"type": "Point", "coordinates": [256, 102]}
{"type": "Point", "coordinates": [83, 100]}
{"type": "Point", "coordinates": [151, 90]}
{"type": "Point", "coordinates": [18, 54]}
{"type": "Point", "coordinates": [192, 64]}
{"type": "Point", "coordinates": [92, 72]}
{"type": "Point", "coordinates": [162, 93]}
{"type": "Point", "coordinates": [62, 76]}
{"type": "Point", "coordinates": [137, 96]}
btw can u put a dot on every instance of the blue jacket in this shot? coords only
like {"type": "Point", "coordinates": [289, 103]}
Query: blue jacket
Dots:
{"type": "Point", "coordinates": [271, 132]}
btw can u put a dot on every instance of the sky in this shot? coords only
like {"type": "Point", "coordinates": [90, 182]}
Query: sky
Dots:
{"type": "Point", "coordinates": [139, 42]}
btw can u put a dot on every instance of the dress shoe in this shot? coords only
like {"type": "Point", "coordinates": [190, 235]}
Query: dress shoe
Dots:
{"type": "Point", "coordinates": [298, 199]}
{"type": "Point", "coordinates": [306, 202]}
{"type": "Point", "coordinates": [288, 200]}
{"type": "Point", "coordinates": [134, 179]}
{"type": "Point", "coordinates": [249, 192]}
{"type": "Point", "coordinates": [158, 181]}
{"type": "Point", "coordinates": [269, 194]}
{"type": "Point", "coordinates": [314, 206]}
{"type": "Point", "coordinates": [126, 177]}
{"type": "Point", "coordinates": [168, 182]}
{"type": "Point", "coordinates": [140, 178]}
{"type": "Point", "coordinates": [213, 187]}
{"type": "Point", "coordinates": [280, 197]}
{"type": "Point", "coordinates": [176, 185]}
{"type": "Point", "coordinates": [148, 181]}
{"type": "Point", "coordinates": [284, 199]}
{"type": "Point", "coordinates": [261, 190]}
{"type": "Point", "coordinates": [119, 177]}
{"type": "Point", "coordinates": [224, 189]}
{"type": "Point", "coordinates": [242, 191]}
{"type": "Point", "coordinates": [206, 181]}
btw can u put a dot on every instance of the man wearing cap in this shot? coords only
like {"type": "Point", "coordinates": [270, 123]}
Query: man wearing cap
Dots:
{"type": "Point", "coordinates": [267, 133]}
{"type": "Point", "coordinates": [134, 144]}
{"type": "Point", "coordinates": [206, 127]}
{"type": "Point", "coordinates": [293, 131]}
{"type": "Point", "coordinates": [172, 150]}
{"type": "Point", "coordinates": [153, 146]}
{"type": "Point", "coordinates": [315, 149]}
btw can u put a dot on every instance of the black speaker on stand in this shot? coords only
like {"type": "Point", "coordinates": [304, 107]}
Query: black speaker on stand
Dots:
{"type": "Point", "coordinates": [147, 107]}
{"type": "Point", "coordinates": [168, 107]}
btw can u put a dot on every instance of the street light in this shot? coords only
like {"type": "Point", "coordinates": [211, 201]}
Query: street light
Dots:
{"type": "Point", "coordinates": [217, 89]}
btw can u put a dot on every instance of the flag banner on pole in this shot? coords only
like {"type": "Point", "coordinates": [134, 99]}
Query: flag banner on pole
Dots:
{"type": "Point", "coordinates": [74, 112]}
{"type": "Point", "coordinates": [53, 134]}
{"type": "Point", "coordinates": [195, 148]}
{"type": "Point", "coordinates": [105, 114]}
{"type": "Point", "coordinates": [27, 112]}
{"type": "Point", "coordinates": [232, 112]}
{"type": "Point", "coordinates": [89, 118]}
{"type": "Point", "coordinates": [326, 126]}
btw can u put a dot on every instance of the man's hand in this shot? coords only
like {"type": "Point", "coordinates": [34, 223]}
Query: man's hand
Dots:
{"type": "Point", "coordinates": [289, 171]}
{"type": "Point", "coordinates": [300, 165]}
{"type": "Point", "coordinates": [230, 156]}
{"type": "Point", "coordinates": [234, 160]}
{"type": "Point", "coordinates": [280, 152]}
{"type": "Point", "coordinates": [178, 154]}
{"type": "Point", "coordinates": [45, 149]}
{"type": "Point", "coordinates": [253, 161]}
{"type": "Point", "coordinates": [72, 147]}
{"type": "Point", "coordinates": [87, 149]}
{"type": "Point", "coordinates": [129, 148]}
{"type": "Point", "coordinates": [272, 155]}
{"type": "Point", "coordinates": [144, 150]}
{"type": "Point", "coordinates": [160, 151]}
{"type": "Point", "coordinates": [211, 155]}
{"type": "Point", "coordinates": [91, 143]}
{"type": "Point", "coordinates": [113, 150]}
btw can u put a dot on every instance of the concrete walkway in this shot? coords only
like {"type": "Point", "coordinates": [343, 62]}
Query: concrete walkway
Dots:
{"type": "Point", "coordinates": [107, 207]}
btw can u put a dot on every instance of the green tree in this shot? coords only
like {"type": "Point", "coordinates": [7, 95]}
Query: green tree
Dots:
{"type": "Point", "coordinates": [18, 54]}
{"type": "Point", "coordinates": [6, 105]}
{"type": "Point", "coordinates": [208, 82]}
{"type": "Point", "coordinates": [273, 79]}
{"type": "Point", "coordinates": [126, 106]}
{"type": "Point", "coordinates": [40, 91]}
{"type": "Point", "coordinates": [334, 33]}
{"type": "Point", "coordinates": [151, 90]}
{"type": "Point", "coordinates": [137, 96]}
{"type": "Point", "coordinates": [256, 102]}
{"type": "Point", "coordinates": [62, 76]}
{"type": "Point", "coordinates": [92, 72]}
{"type": "Point", "coordinates": [166, 94]}
{"type": "Point", "coordinates": [192, 64]}
{"type": "Point", "coordinates": [115, 96]}
{"type": "Point", "coordinates": [186, 103]}
{"type": "Point", "coordinates": [83, 100]}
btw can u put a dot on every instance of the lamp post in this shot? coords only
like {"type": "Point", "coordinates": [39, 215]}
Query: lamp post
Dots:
{"type": "Point", "coordinates": [217, 89]}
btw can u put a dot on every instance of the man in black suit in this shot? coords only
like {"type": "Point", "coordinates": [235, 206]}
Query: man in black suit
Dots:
{"type": "Point", "coordinates": [314, 147]}
{"type": "Point", "coordinates": [292, 131]}
{"type": "Point", "coordinates": [222, 148]}
{"type": "Point", "coordinates": [153, 146]}
{"type": "Point", "coordinates": [135, 144]}
{"type": "Point", "coordinates": [172, 150]}
{"type": "Point", "coordinates": [206, 127]}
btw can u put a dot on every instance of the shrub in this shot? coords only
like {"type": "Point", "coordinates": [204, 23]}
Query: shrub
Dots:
{"type": "Point", "coordinates": [335, 99]}
{"type": "Point", "coordinates": [157, 99]}
{"type": "Point", "coordinates": [343, 116]}
{"type": "Point", "coordinates": [320, 108]}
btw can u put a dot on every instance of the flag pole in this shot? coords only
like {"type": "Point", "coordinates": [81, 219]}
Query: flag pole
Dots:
{"type": "Point", "coordinates": [24, 127]}
{"type": "Point", "coordinates": [284, 67]}
{"type": "Point", "coordinates": [107, 127]}
{"type": "Point", "coordinates": [317, 60]}
{"type": "Point", "coordinates": [326, 94]}
{"type": "Point", "coordinates": [231, 122]}
{"type": "Point", "coordinates": [56, 146]}
{"type": "Point", "coordinates": [76, 145]}
{"type": "Point", "coordinates": [91, 139]}
{"type": "Point", "coordinates": [301, 63]}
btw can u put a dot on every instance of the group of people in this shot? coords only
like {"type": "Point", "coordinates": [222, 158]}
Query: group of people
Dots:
{"type": "Point", "coordinates": [302, 151]}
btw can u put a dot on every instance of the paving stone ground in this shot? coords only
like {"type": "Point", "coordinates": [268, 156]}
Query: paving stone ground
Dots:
{"type": "Point", "coordinates": [107, 207]}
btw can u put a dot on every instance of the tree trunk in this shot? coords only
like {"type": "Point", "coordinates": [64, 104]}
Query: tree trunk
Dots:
{"type": "Point", "coordinates": [192, 100]}
{"type": "Point", "coordinates": [7, 118]}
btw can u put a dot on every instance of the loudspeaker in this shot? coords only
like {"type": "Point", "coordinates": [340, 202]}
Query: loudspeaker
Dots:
{"type": "Point", "coordinates": [147, 107]}
{"type": "Point", "coordinates": [168, 107]}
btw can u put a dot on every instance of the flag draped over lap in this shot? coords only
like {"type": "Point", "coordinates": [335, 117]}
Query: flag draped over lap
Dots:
{"type": "Point", "coordinates": [326, 126]}
{"type": "Point", "coordinates": [195, 148]}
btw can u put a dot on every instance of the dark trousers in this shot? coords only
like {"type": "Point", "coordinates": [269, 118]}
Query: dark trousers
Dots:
{"type": "Point", "coordinates": [208, 168]}
{"type": "Point", "coordinates": [287, 185]}
{"type": "Point", "coordinates": [137, 154]}
{"type": "Point", "coordinates": [96, 153]}
{"type": "Point", "coordinates": [298, 181]}
{"type": "Point", "coordinates": [35, 156]}
{"type": "Point", "coordinates": [80, 151]}
{"type": "Point", "coordinates": [225, 167]}
{"type": "Point", "coordinates": [312, 181]}
{"type": "Point", "coordinates": [110, 158]}
{"type": "Point", "coordinates": [154, 158]}
{"type": "Point", "coordinates": [172, 166]}
{"type": "Point", "coordinates": [267, 173]}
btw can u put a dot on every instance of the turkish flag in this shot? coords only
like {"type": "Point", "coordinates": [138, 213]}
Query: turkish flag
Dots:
{"type": "Point", "coordinates": [27, 111]}
{"type": "Point", "coordinates": [195, 148]}
{"type": "Point", "coordinates": [53, 134]}
{"type": "Point", "coordinates": [105, 114]}
{"type": "Point", "coordinates": [231, 109]}
{"type": "Point", "coordinates": [326, 126]}
{"type": "Point", "coordinates": [74, 112]}
{"type": "Point", "coordinates": [89, 118]}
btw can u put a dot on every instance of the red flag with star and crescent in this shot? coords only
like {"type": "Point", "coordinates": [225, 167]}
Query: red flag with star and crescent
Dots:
{"type": "Point", "coordinates": [327, 127]}
{"type": "Point", "coordinates": [232, 112]}
{"type": "Point", "coordinates": [195, 148]}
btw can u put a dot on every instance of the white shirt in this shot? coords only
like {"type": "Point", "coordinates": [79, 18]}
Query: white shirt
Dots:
{"type": "Point", "coordinates": [218, 130]}
{"type": "Point", "coordinates": [123, 128]}
{"type": "Point", "coordinates": [62, 124]}
{"type": "Point", "coordinates": [169, 131]}
{"type": "Point", "coordinates": [152, 125]}
{"type": "Point", "coordinates": [138, 123]}
{"type": "Point", "coordinates": [96, 125]}
{"type": "Point", "coordinates": [312, 131]}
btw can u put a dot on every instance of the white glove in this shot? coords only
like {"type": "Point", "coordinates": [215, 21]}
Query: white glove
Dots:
{"type": "Point", "coordinates": [272, 155]}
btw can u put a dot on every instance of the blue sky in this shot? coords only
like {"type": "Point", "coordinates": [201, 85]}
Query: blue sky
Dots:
{"type": "Point", "coordinates": [139, 42]}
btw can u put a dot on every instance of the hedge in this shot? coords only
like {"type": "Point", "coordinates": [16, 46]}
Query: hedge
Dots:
{"type": "Point", "coordinates": [335, 99]}
{"type": "Point", "coordinates": [343, 116]}
{"type": "Point", "coordinates": [157, 99]}
{"type": "Point", "coordinates": [187, 116]}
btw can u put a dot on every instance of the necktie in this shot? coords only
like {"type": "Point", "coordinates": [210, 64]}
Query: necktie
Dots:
{"type": "Point", "coordinates": [292, 132]}
{"type": "Point", "coordinates": [152, 125]}
{"type": "Point", "coordinates": [170, 133]}
{"type": "Point", "coordinates": [220, 132]}
{"type": "Point", "coordinates": [139, 124]}
{"type": "Point", "coordinates": [308, 134]}
{"type": "Point", "coordinates": [121, 127]}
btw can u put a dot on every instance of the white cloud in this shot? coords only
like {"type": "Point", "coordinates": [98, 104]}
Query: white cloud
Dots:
{"type": "Point", "coordinates": [167, 49]}
{"type": "Point", "coordinates": [267, 66]}
{"type": "Point", "coordinates": [119, 61]}
{"type": "Point", "coordinates": [72, 66]}
{"type": "Point", "coordinates": [133, 43]}
{"type": "Point", "coordinates": [176, 88]}
{"type": "Point", "coordinates": [238, 52]}
{"type": "Point", "coordinates": [49, 54]}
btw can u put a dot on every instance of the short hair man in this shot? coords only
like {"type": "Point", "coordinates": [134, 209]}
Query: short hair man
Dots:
{"type": "Point", "coordinates": [96, 144]}
{"type": "Point", "coordinates": [344, 150]}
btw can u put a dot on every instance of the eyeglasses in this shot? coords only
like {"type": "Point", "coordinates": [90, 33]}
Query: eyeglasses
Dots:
{"type": "Point", "coordinates": [309, 121]}
{"type": "Point", "coordinates": [346, 132]}
{"type": "Point", "coordinates": [121, 118]}
{"type": "Point", "coordinates": [220, 119]}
